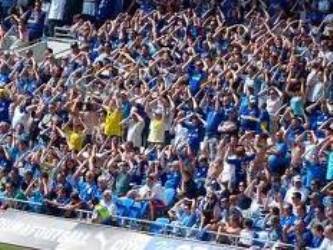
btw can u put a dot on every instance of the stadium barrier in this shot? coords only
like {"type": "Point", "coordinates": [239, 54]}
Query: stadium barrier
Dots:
{"type": "Point", "coordinates": [161, 227]}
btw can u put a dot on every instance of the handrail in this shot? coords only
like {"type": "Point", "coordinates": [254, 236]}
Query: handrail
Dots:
{"type": "Point", "coordinates": [86, 214]}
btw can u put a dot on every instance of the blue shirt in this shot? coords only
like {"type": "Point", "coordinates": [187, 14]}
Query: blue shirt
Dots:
{"type": "Point", "coordinates": [240, 166]}
{"type": "Point", "coordinates": [201, 171]}
{"type": "Point", "coordinates": [4, 110]}
{"type": "Point", "coordinates": [316, 241]}
{"type": "Point", "coordinates": [172, 179]}
{"type": "Point", "coordinates": [196, 76]}
{"type": "Point", "coordinates": [288, 220]}
{"type": "Point", "coordinates": [193, 135]}
{"type": "Point", "coordinates": [213, 119]}
{"type": "Point", "coordinates": [4, 79]}
{"type": "Point", "coordinates": [306, 238]}
{"type": "Point", "coordinates": [314, 171]}
{"type": "Point", "coordinates": [86, 190]}
{"type": "Point", "coordinates": [247, 124]}
{"type": "Point", "coordinates": [292, 133]}
{"type": "Point", "coordinates": [275, 161]}
{"type": "Point", "coordinates": [317, 118]}
{"type": "Point", "coordinates": [6, 164]}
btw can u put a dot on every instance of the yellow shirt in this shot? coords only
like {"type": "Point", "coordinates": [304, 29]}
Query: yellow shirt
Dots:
{"type": "Point", "coordinates": [112, 126]}
{"type": "Point", "coordinates": [75, 140]}
{"type": "Point", "coordinates": [156, 131]}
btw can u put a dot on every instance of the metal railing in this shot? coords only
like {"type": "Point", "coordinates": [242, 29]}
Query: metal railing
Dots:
{"type": "Point", "coordinates": [165, 229]}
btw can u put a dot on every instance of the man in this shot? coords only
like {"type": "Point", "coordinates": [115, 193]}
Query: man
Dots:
{"type": "Point", "coordinates": [135, 125]}
{"type": "Point", "coordinates": [328, 240]}
{"type": "Point", "coordinates": [153, 192]}
{"type": "Point", "coordinates": [56, 15]}
{"type": "Point", "coordinates": [4, 106]}
{"type": "Point", "coordinates": [250, 116]}
{"type": "Point", "coordinates": [108, 202]}
{"type": "Point", "coordinates": [300, 237]}
{"type": "Point", "coordinates": [297, 186]}
{"type": "Point", "coordinates": [36, 20]}
{"type": "Point", "coordinates": [100, 212]}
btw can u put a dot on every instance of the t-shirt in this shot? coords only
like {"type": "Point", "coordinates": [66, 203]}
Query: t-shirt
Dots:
{"type": "Point", "coordinates": [306, 238]}
{"type": "Point", "coordinates": [273, 105]}
{"type": "Point", "coordinates": [317, 118]}
{"type": "Point", "coordinates": [157, 131]}
{"type": "Point", "coordinates": [329, 173]}
{"type": "Point", "coordinates": [57, 9]}
{"type": "Point", "coordinates": [112, 123]}
{"type": "Point", "coordinates": [86, 191]}
{"type": "Point", "coordinates": [172, 179]}
{"type": "Point", "coordinates": [75, 140]}
{"type": "Point", "coordinates": [20, 116]}
{"type": "Point", "coordinates": [134, 133]}
{"type": "Point", "coordinates": [36, 20]}
{"type": "Point", "coordinates": [89, 7]}
{"type": "Point", "coordinates": [288, 220]}
{"type": "Point", "coordinates": [293, 133]}
{"type": "Point", "coordinates": [247, 124]}
{"type": "Point", "coordinates": [240, 166]}
{"type": "Point", "coordinates": [278, 160]}
{"type": "Point", "coordinates": [4, 110]}
{"type": "Point", "coordinates": [195, 79]}
{"type": "Point", "coordinates": [122, 184]}
{"type": "Point", "coordinates": [4, 79]}
{"type": "Point", "coordinates": [314, 171]}
{"type": "Point", "coordinates": [297, 105]}
{"type": "Point", "coordinates": [193, 136]}
{"type": "Point", "coordinates": [213, 120]}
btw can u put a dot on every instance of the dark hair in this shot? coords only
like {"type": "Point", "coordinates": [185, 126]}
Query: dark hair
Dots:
{"type": "Point", "coordinates": [318, 227]}
{"type": "Point", "coordinates": [95, 201]}
{"type": "Point", "coordinates": [275, 211]}
{"type": "Point", "coordinates": [248, 223]}
{"type": "Point", "coordinates": [297, 195]}
{"type": "Point", "coordinates": [75, 196]}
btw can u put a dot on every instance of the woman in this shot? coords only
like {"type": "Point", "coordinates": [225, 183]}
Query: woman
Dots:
{"type": "Point", "coordinates": [22, 35]}
{"type": "Point", "coordinates": [113, 119]}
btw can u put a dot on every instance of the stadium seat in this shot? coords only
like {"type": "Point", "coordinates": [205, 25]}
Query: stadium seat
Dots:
{"type": "Point", "coordinates": [160, 226]}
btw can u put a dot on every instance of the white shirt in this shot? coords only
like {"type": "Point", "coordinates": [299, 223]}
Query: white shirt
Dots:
{"type": "Point", "coordinates": [181, 135]}
{"type": "Point", "coordinates": [315, 87]}
{"type": "Point", "coordinates": [19, 117]}
{"type": "Point", "coordinates": [57, 9]}
{"type": "Point", "coordinates": [157, 191]}
{"type": "Point", "coordinates": [324, 5]}
{"type": "Point", "coordinates": [134, 133]}
{"type": "Point", "coordinates": [273, 105]}
{"type": "Point", "coordinates": [327, 244]}
{"type": "Point", "coordinates": [89, 7]}
{"type": "Point", "coordinates": [326, 54]}
{"type": "Point", "coordinates": [228, 173]}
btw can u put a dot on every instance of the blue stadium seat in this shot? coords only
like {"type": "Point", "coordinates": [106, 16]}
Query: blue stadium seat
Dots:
{"type": "Point", "coordinates": [160, 226]}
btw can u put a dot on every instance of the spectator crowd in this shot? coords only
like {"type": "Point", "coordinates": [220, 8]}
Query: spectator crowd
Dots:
{"type": "Point", "coordinates": [214, 117]}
